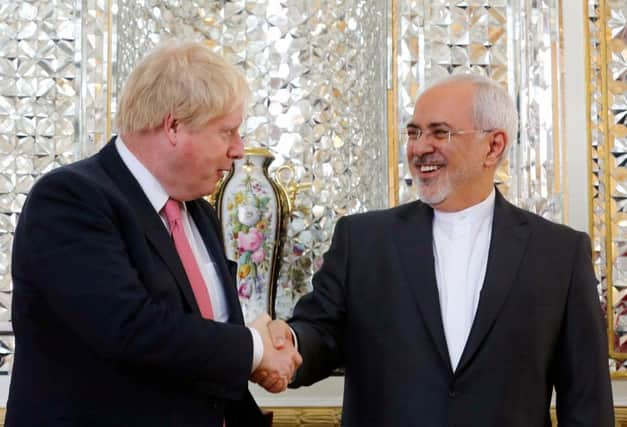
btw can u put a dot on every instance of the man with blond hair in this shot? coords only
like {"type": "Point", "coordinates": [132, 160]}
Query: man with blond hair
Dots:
{"type": "Point", "coordinates": [125, 311]}
{"type": "Point", "coordinates": [459, 309]}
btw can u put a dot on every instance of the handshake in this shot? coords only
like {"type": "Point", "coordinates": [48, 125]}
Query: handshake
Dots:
{"type": "Point", "coordinates": [280, 358]}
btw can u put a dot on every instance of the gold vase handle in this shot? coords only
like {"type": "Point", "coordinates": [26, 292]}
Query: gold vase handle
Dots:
{"type": "Point", "coordinates": [284, 176]}
{"type": "Point", "coordinates": [213, 197]}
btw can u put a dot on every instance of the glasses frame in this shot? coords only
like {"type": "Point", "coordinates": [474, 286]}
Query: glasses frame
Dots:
{"type": "Point", "coordinates": [429, 135]}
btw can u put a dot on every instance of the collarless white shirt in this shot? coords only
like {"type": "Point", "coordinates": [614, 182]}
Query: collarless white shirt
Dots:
{"type": "Point", "coordinates": [158, 197]}
{"type": "Point", "coordinates": [461, 243]}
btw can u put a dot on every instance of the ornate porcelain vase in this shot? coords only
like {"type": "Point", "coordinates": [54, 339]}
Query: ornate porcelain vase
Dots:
{"type": "Point", "coordinates": [254, 210]}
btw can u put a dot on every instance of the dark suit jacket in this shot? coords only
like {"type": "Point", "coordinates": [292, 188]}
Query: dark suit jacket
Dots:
{"type": "Point", "coordinates": [107, 329]}
{"type": "Point", "coordinates": [375, 310]}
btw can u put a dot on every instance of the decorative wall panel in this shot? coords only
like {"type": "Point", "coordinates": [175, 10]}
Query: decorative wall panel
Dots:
{"type": "Point", "coordinates": [318, 73]}
{"type": "Point", "coordinates": [38, 115]}
{"type": "Point", "coordinates": [53, 107]}
{"type": "Point", "coordinates": [607, 112]}
{"type": "Point", "coordinates": [97, 51]}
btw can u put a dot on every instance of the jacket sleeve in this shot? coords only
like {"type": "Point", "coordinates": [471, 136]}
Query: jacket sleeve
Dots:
{"type": "Point", "coordinates": [319, 317]}
{"type": "Point", "coordinates": [70, 258]}
{"type": "Point", "coordinates": [582, 383]}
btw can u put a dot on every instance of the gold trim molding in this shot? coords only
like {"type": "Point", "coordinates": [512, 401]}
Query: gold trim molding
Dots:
{"type": "Point", "coordinates": [302, 416]}
{"type": "Point", "coordinates": [330, 416]}
{"type": "Point", "coordinates": [392, 106]}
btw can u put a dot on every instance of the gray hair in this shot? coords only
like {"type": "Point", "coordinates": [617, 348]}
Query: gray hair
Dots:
{"type": "Point", "coordinates": [493, 107]}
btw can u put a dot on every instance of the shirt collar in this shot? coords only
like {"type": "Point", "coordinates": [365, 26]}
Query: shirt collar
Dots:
{"type": "Point", "coordinates": [156, 194]}
{"type": "Point", "coordinates": [474, 213]}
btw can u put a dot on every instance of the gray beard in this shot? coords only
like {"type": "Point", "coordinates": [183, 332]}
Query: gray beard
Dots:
{"type": "Point", "coordinates": [434, 192]}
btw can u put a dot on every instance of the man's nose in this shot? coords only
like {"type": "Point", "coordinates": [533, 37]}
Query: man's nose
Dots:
{"type": "Point", "coordinates": [236, 149]}
{"type": "Point", "coordinates": [420, 146]}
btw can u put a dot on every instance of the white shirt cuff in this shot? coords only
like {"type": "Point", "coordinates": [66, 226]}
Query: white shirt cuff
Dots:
{"type": "Point", "coordinates": [294, 339]}
{"type": "Point", "coordinates": [257, 349]}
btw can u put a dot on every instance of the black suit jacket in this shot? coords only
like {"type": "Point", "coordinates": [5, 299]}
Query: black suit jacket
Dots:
{"type": "Point", "coordinates": [107, 329]}
{"type": "Point", "coordinates": [375, 310]}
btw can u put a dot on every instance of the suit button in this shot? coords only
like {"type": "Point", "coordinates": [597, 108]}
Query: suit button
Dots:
{"type": "Point", "coordinates": [452, 393]}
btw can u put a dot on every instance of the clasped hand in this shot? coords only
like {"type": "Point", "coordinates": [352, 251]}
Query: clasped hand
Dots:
{"type": "Point", "coordinates": [280, 358]}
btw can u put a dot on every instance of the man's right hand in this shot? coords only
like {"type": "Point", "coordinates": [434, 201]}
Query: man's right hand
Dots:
{"type": "Point", "coordinates": [280, 358]}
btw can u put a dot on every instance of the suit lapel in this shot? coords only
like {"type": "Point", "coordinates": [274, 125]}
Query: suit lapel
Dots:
{"type": "Point", "coordinates": [148, 218]}
{"type": "Point", "coordinates": [415, 251]}
{"type": "Point", "coordinates": [209, 232]}
{"type": "Point", "coordinates": [509, 239]}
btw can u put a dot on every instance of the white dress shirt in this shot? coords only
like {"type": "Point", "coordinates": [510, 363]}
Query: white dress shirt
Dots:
{"type": "Point", "coordinates": [158, 197]}
{"type": "Point", "coordinates": [461, 242]}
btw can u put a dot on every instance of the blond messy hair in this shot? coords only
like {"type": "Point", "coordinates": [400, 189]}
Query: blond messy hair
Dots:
{"type": "Point", "coordinates": [185, 79]}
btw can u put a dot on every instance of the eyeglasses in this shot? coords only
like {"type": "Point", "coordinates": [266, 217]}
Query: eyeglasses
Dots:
{"type": "Point", "coordinates": [438, 135]}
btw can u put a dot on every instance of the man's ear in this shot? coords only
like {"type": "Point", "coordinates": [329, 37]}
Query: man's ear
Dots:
{"type": "Point", "coordinates": [170, 127]}
{"type": "Point", "coordinates": [498, 143]}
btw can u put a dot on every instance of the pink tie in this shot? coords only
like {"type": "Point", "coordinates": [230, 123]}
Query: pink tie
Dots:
{"type": "Point", "coordinates": [172, 212]}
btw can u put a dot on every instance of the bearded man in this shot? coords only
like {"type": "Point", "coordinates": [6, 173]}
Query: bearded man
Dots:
{"type": "Point", "coordinates": [459, 309]}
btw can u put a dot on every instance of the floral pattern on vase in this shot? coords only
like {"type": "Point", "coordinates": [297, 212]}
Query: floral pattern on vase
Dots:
{"type": "Point", "coordinates": [253, 210]}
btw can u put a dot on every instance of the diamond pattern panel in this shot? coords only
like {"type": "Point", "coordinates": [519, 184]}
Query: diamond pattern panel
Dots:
{"type": "Point", "coordinates": [536, 167]}
{"type": "Point", "coordinates": [608, 132]}
{"type": "Point", "coordinates": [96, 100]}
{"type": "Point", "coordinates": [7, 349]}
{"type": "Point", "coordinates": [39, 94]}
{"type": "Point", "coordinates": [318, 83]}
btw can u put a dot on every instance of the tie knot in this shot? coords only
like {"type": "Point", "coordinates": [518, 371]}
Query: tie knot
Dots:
{"type": "Point", "coordinates": [172, 210]}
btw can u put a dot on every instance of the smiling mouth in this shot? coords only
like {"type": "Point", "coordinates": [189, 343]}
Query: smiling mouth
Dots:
{"type": "Point", "coordinates": [429, 168]}
{"type": "Point", "coordinates": [428, 164]}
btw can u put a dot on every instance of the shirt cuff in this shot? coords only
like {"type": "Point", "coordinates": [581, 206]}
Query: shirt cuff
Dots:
{"type": "Point", "coordinates": [257, 349]}
{"type": "Point", "coordinates": [294, 338]}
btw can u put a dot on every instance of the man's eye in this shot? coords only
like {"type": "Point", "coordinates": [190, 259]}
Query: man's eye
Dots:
{"type": "Point", "coordinates": [412, 134]}
{"type": "Point", "coordinates": [440, 134]}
